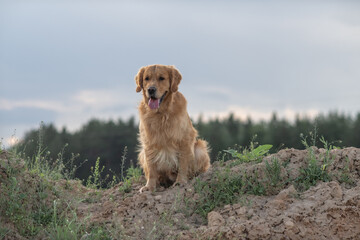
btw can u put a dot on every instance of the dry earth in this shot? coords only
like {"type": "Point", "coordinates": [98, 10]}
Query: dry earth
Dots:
{"type": "Point", "coordinates": [328, 210]}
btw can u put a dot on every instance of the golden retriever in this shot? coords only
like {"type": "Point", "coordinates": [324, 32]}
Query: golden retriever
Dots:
{"type": "Point", "coordinates": [169, 149]}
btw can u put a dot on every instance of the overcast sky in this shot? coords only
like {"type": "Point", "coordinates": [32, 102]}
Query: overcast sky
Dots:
{"type": "Point", "coordinates": [65, 62]}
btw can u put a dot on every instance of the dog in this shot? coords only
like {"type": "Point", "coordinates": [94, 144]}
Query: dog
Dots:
{"type": "Point", "coordinates": [170, 152]}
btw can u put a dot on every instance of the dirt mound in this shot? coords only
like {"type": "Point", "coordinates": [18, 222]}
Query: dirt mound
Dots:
{"type": "Point", "coordinates": [293, 194]}
{"type": "Point", "coordinates": [284, 209]}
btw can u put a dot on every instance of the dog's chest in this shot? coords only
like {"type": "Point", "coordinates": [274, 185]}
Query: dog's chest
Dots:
{"type": "Point", "coordinates": [166, 160]}
{"type": "Point", "coordinates": [165, 130]}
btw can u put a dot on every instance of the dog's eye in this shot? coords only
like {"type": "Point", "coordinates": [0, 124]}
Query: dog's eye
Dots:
{"type": "Point", "coordinates": [161, 78]}
{"type": "Point", "coordinates": [147, 79]}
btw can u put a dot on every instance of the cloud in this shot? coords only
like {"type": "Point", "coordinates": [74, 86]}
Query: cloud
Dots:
{"type": "Point", "coordinates": [243, 113]}
{"type": "Point", "coordinates": [6, 104]}
{"type": "Point", "coordinates": [74, 110]}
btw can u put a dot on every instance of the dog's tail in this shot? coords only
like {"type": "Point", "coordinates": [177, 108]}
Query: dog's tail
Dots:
{"type": "Point", "coordinates": [202, 158]}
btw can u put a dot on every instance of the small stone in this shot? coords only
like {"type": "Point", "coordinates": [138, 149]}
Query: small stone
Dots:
{"type": "Point", "coordinates": [215, 219]}
{"type": "Point", "coordinates": [241, 211]}
{"type": "Point", "coordinates": [289, 224]}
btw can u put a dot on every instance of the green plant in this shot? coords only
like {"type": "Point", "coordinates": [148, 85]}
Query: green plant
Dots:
{"type": "Point", "coordinates": [123, 158]}
{"type": "Point", "coordinates": [314, 171]}
{"type": "Point", "coordinates": [133, 174]}
{"type": "Point", "coordinates": [273, 174]}
{"type": "Point", "coordinates": [3, 232]}
{"type": "Point", "coordinates": [252, 184]}
{"type": "Point", "coordinates": [345, 176]}
{"type": "Point", "coordinates": [99, 233]}
{"type": "Point", "coordinates": [223, 189]}
{"type": "Point", "coordinates": [249, 155]}
{"type": "Point", "coordinates": [25, 205]}
{"type": "Point", "coordinates": [95, 179]}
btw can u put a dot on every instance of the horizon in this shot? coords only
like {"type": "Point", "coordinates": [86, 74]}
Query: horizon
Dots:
{"type": "Point", "coordinates": [13, 140]}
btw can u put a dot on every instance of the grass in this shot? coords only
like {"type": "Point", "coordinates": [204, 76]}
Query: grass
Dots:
{"type": "Point", "coordinates": [228, 186]}
{"type": "Point", "coordinates": [273, 174]}
{"type": "Point", "coordinates": [97, 181]}
{"type": "Point", "coordinates": [251, 154]}
{"type": "Point", "coordinates": [223, 189]}
{"type": "Point", "coordinates": [133, 175]}
{"type": "Point", "coordinates": [345, 176]}
{"type": "Point", "coordinates": [317, 167]}
{"type": "Point", "coordinates": [24, 202]}
{"type": "Point", "coordinates": [33, 206]}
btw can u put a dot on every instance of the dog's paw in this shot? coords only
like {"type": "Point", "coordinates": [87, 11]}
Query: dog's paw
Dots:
{"type": "Point", "coordinates": [146, 188]}
{"type": "Point", "coordinates": [180, 184]}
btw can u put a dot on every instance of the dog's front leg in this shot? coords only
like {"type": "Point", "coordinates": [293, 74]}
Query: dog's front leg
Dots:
{"type": "Point", "coordinates": [151, 180]}
{"type": "Point", "coordinates": [186, 157]}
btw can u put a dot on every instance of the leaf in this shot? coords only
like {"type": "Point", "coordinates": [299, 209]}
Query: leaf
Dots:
{"type": "Point", "coordinates": [233, 153]}
{"type": "Point", "coordinates": [262, 149]}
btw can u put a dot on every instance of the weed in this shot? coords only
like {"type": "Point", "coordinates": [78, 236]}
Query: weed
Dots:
{"type": "Point", "coordinates": [27, 188]}
{"type": "Point", "coordinates": [314, 171]}
{"type": "Point", "coordinates": [285, 163]}
{"type": "Point", "coordinates": [273, 174]}
{"type": "Point", "coordinates": [250, 154]}
{"type": "Point", "coordinates": [25, 206]}
{"type": "Point", "coordinates": [123, 158]}
{"type": "Point", "coordinates": [224, 189]}
{"type": "Point", "coordinates": [253, 185]}
{"type": "Point", "coordinates": [345, 176]}
{"type": "Point", "coordinates": [3, 232]}
{"type": "Point", "coordinates": [93, 197]}
{"type": "Point", "coordinates": [99, 233]}
{"type": "Point", "coordinates": [133, 174]}
{"type": "Point", "coordinates": [95, 179]}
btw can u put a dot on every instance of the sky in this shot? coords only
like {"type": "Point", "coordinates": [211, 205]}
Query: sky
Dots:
{"type": "Point", "coordinates": [65, 62]}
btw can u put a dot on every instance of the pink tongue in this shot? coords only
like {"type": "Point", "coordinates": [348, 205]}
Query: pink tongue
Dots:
{"type": "Point", "coordinates": [154, 103]}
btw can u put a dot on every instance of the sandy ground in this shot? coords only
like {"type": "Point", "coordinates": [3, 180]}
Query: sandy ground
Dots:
{"type": "Point", "coordinates": [329, 210]}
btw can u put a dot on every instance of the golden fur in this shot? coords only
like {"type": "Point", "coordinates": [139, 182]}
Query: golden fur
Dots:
{"type": "Point", "coordinates": [169, 149]}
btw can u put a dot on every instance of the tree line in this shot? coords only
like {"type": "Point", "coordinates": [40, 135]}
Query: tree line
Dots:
{"type": "Point", "coordinates": [115, 142]}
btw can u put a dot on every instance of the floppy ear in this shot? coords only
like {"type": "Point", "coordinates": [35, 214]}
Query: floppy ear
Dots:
{"type": "Point", "coordinates": [175, 78]}
{"type": "Point", "coordinates": [139, 79]}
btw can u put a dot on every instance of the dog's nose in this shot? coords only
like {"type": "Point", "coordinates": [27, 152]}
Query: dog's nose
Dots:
{"type": "Point", "coordinates": [151, 91]}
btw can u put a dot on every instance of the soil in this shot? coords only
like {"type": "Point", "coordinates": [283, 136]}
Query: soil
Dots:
{"type": "Point", "coordinates": [328, 210]}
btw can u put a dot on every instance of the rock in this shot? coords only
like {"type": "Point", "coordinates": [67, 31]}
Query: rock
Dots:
{"type": "Point", "coordinates": [215, 219]}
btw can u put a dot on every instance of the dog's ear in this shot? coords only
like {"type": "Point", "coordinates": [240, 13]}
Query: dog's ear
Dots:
{"type": "Point", "coordinates": [139, 79]}
{"type": "Point", "coordinates": [175, 78]}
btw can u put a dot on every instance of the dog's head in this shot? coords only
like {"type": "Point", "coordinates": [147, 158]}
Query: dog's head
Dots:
{"type": "Point", "coordinates": [157, 81]}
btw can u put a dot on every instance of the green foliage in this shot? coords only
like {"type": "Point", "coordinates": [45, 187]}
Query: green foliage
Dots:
{"type": "Point", "coordinates": [345, 176]}
{"type": "Point", "coordinates": [95, 139]}
{"type": "Point", "coordinates": [3, 232]}
{"type": "Point", "coordinates": [133, 175]}
{"type": "Point", "coordinates": [25, 205]}
{"type": "Point", "coordinates": [27, 191]}
{"type": "Point", "coordinates": [224, 189]}
{"type": "Point", "coordinates": [273, 174]}
{"type": "Point", "coordinates": [108, 139]}
{"type": "Point", "coordinates": [250, 155]}
{"type": "Point", "coordinates": [95, 180]}
{"type": "Point", "coordinates": [253, 184]}
{"type": "Point", "coordinates": [315, 171]}
{"type": "Point", "coordinates": [228, 186]}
